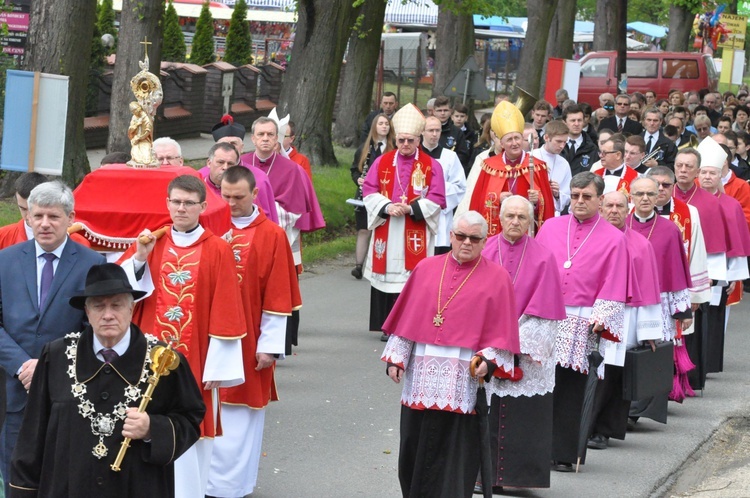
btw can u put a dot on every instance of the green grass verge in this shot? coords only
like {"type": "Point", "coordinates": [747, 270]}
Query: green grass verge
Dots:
{"type": "Point", "coordinates": [333, 185]}
{"type": "Point", "coordinates": [9, 212]}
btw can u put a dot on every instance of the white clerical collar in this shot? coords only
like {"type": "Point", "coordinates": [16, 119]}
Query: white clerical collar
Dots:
{"type": "Point", "coordinates": [644, 220]}
{"type": "Point", "coordinates": [120, 348]}
{"type": "Point", "coordinates": [725, 179]}
{"type": "Point", "coordinates": [29, 231]}
{"type": "Point", "coordinates": [245, 221]}
{"type": "Point", "coordinates": [185, 239]}
{"type": "Point", "coordinates": [289, 150]}
{"type": "Point", "coordinates": [57, 252]}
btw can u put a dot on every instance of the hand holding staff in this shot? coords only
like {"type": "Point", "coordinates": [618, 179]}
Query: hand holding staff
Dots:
{"type": "Point", "coordinates": [163, 360]}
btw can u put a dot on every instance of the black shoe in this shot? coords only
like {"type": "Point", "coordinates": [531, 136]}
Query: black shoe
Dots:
{"type": "Point", "coordinates": [357, 272]}
{"type": "Point", "coordinates": [562, 467]}
{"type": "Point", "coordinates": [631, 423]}
{"type": "Point", "coordinates": [597, 442]}
{"type": "Point", "coordinates": [384, 337]}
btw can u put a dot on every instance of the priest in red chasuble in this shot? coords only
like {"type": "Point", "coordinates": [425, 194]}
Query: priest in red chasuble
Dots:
{"type": "Point", "coordinates": [403, 192]}
{"type": "Point", "coordinates": [268, 283]}
{"type": "Point", "coordinates": [456, 308]}
{"type": "Point", "coordinates": [507, 173]}
{"type": "Point", "coordinates": [195, 298]}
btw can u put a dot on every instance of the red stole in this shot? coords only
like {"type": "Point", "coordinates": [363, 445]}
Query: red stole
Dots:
{"type": "Point", "coordinates": [485, 199]}
{"type": "Point", "coordinates": [415, 232]}
{"type": "Point", "coordinates": [624, 184]}
{"type": "Point", "coordinates": [680, 215]}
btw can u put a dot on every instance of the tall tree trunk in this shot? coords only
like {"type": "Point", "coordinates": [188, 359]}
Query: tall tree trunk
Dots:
{"type": "Point", "coordinates": [455, 42]}
{"type": "Point", "coordinates": [533, 54]}
{"type": "Point", "coordinates": [140, 20]}
{"type": "Point", "coordinates": [621, 45]}
{"type": "Point", "coordinates": [356, 83]}
{"type": "Point", "coordinates": [605, 25]}
{"type": "Point", "coordinates": [560, 41]}
{"type": "Point", "coordinates": [309, 90]}
{"type": "Point", "coordinates": [59, 42]}
{"type": "Point", "coordinates": [680, 25]}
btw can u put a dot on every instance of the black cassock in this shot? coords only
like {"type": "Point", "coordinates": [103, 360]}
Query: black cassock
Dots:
{"type": "Point", "coordinates": [53, 457]}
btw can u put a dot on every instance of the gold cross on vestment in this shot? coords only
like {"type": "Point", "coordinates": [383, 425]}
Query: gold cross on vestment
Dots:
{"type": "Point", "coordinates": [145, 44]}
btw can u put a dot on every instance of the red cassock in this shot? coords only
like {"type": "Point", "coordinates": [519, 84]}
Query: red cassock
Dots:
{"type": "Point", "coordinates": [116, 202]}
{"type": "Point", "coordinates": [497, 177]}
{"type": "Point", "coordinates": [302, 160]}
{"type": "Point", "coordinates": [16, 233]}
{"type": "Point", "coordinates": [268, 283]}
{"type": "Point", "coordinates": [196, 298]}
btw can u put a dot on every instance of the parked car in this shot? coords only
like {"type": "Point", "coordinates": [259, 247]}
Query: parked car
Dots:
{"type": "Point", "coordinates": [658, 71]}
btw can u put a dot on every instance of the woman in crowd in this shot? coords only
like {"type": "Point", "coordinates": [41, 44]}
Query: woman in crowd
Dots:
{"type": "Point", "coordinates": [380, 140]}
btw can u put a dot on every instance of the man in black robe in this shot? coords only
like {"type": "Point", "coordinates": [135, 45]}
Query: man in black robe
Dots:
{"type": "Point", "coordinates": [83, 402]}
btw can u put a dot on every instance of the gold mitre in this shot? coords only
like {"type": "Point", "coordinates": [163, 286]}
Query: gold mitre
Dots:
{"type": "Point", "coordinates": [506, 118]}
{"type": "Point", "coordinates": [408, 120]}
{"type": "Point", "coordinates": [711, 153]}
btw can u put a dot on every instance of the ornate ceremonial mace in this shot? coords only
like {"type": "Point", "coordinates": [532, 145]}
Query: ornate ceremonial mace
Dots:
{"type": "Point", "coordinates": [163, 361]}
{"type": "Point", "coordinates": [531, 178]}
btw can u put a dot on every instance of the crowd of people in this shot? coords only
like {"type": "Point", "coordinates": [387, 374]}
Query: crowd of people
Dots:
{"type": "Point", "coordinates": [536, 257]}
{"type": "Point", "coordinates": [87, 324]}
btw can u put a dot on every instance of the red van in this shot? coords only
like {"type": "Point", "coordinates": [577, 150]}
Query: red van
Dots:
{"type": "Point", "coordinates": [658, 71]}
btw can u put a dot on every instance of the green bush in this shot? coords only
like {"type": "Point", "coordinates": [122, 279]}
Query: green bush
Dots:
{"type": "Point", "coordinates": [173, 45]}
{"type": "Point", "coordinates": [239, 41]}
{"type": "Point", "coordinates": [106, 23]}
{"type": "Point", "coordinates": [202, 51]}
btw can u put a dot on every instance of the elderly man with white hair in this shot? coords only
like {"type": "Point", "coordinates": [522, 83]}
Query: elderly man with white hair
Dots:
{"type": "Point", "coordinates": [404, 192]}
{"type": "Point", "coordinates": [521, 412]}
{"type": "Point", "coordinates": [456, 310]}
{"type": "Point", "coordinates": [168, 151]}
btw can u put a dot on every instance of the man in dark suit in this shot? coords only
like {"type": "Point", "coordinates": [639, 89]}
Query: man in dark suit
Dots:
{"type": "Point", "coordinates": [37, 278]}
{"type": "Point", "coordinates": [581, 152]}
{"type": "Point", "coordinates": [656, 139]}
{"type": "Point", "coordinates": [388, 106]}
{"type": "Point", "coordinates": [620, 122]}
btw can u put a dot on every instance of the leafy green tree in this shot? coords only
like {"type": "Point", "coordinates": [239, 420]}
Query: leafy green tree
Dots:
{"type": "Point", "coordinates": [105, 23]}
{"type": "Point", "coordinates": [202, 51]}
{"type": "Point", "coordinates": [239, 41]}
{"type": "Point", "coordinates": [173, 45]}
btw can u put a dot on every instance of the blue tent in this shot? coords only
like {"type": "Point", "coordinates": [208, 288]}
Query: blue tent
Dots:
{"type": "Point", "coordinates": [648, 29]}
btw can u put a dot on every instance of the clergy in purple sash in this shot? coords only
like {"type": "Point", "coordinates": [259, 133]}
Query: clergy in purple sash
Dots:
{"type": "Point", "coordinates": [714, 157]}
{"type": "Point", "coordinates": [688, 223]}
{"type": "Point", "coordinates": [592, 259]}
{"type": "Point", "coordinates": [455, 309]}
{"type": "Point", "coordinates": [292, 195]}
{"type": "Point", "coordinates": [712, 220]}
{"type": "Point", "coordinates": [642, 323]}
{"type": "Point", "coordinates": [403, 192]}
{"type": "Point", "coordinates": [521, 412]}
{"type": "Point", "coordinates": [673, 268]}
{"type": "Point", "coordinates": [227, 131]}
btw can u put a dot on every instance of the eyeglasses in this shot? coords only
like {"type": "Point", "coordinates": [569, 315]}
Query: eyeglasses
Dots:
{"type": "Point", "coordinates": [605, 152]}
{"type": "Point", "coordinates": [178, 203]}
{"type": "Point", "coordinates": [702, 128]}
{"type": "Point", "coordinates": [167, 159]}
{"type": "Point", "coordinates": [665, 184]}
{"type": "Point", "coordinates": [475, 239]}
{"type": "Point", "coordinates": [643, 194]}
{"type": "Point", "coordinates": [585, 197]}
{"type": "Point", "coordinates": [622, 103]}
{"type": "Point", "coordinates": [401, 141]}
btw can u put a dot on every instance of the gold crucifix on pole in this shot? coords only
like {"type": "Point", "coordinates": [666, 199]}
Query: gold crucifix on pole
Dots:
{"type": "Point", "coordinates": [145, 44]}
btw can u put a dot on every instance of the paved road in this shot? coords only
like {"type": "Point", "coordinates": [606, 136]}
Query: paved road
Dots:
{"type": "Point", "coordinates": [335, 431]}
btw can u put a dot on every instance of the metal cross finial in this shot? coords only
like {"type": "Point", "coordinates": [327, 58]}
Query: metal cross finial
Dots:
{"type": "Point", "coordinates": [145, 44]}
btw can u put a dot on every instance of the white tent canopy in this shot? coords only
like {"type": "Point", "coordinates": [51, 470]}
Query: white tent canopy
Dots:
{"type": "Point", "coordinates": [194, 10]}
